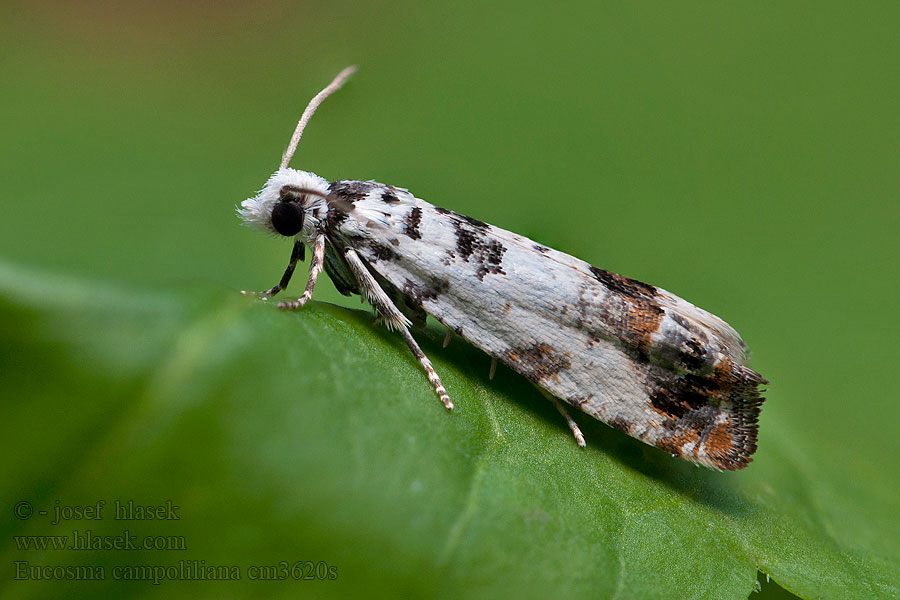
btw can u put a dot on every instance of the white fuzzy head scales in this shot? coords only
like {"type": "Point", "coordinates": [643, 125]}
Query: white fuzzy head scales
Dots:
{"type": "Point", "coordinates": [257, 211]}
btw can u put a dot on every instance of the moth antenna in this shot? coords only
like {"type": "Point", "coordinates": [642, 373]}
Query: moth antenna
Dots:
{"type": "Point", "coordinates": [311, 109]}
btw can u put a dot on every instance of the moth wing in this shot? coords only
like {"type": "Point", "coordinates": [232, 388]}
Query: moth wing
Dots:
{"type": "Point", "coordinates": [632, 355]}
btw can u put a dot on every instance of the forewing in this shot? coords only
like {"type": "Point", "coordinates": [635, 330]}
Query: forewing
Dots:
{"type": "Point", "coordinates": [630, 354]}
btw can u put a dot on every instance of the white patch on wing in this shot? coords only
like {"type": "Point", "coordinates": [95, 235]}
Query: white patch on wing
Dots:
{"type": "Point", "coordinates": [724, 337]}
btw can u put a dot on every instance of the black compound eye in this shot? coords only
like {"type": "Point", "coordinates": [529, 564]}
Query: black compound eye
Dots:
{"type": "Point", "coordinates": [287, 218]}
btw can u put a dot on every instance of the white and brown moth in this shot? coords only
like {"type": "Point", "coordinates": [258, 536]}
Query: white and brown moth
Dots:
{"type": "Point", "coordinates": [630, 354]}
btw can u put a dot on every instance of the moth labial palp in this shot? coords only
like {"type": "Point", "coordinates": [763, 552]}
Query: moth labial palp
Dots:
{"type": "Point", "coordinates": [627, 353]}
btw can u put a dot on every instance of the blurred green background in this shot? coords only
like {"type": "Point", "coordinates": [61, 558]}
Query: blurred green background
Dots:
{"type": "Point", "coordinates": [741, 155]}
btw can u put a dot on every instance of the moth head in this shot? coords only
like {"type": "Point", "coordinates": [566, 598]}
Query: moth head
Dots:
{"type": "Point", "coordinates": [289, 202]}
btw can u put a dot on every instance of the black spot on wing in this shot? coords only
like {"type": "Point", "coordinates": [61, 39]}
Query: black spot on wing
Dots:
{"type": "Point", "coordinates": [481, 225]}
{"type": "Point", "coordinates": [388, 196]}
{"type": "Point", "coordinates": [718, 412]}
{"type": "Point", "coordinates": [381, 252]}
{"type": "Point", "coordinates": [678, 400]}
{"type": "Point", "coordinates": [350, 190]}
{"type": "Point", "coordinates": [493, 256]}
{"type": "Point", "coordinates": [694, 358]}
{"type": "Point", "coordinates": [421, 292]}
{"type": "Point", "coordinates": [680, 396]}
{"type": "Point", "coordinates": [537, 362]}
{"type": "Point", "coordinates": [475, 223]}
{"type": "Point", "coordinates": [465, 241]}
{"type": "Point", "coordinates": [626, 286]}
{"type": "Point", "coordinates": [412, 222]}
{"type": "Point", "coordinates": [541, 249]}
{"type": "Point", "coordinates": [333, 220]}
{"type": "Point", "coordinates": [474, 245]}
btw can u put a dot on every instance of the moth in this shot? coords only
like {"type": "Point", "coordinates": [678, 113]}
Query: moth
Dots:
{"type": "Point", "coordinates": [630, 354]}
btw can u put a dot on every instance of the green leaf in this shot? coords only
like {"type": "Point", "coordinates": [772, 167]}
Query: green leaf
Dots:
{"type": "Point", "coordinates": [314, 436]}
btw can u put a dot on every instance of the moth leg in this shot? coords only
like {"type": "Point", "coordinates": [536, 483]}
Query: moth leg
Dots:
{"type": "Point", "coordinates": [394, 319]}
{"type": "Point", "coordinates": [493, 370]}
{"type": "Point", "coordinates": [315, 267]}
{"type": "Point", "coordinates": [439, 388]}
{"type": "Point", "coordinates": [387, 310]}
{"type": "Point", "coordinates": [447, 338]}
{"type": "Point", "coordinates": [579, 437]}
{"type": "Point", "coordinates": [297, 253]}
